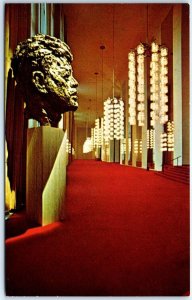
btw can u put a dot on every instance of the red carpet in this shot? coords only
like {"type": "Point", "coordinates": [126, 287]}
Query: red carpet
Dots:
{"type": "Point", "coordinates": [126, 233]}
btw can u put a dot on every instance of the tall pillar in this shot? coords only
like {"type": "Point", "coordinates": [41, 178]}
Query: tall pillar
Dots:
{"type": "Point", "coordinates": [42, 18]}
{"type": "Point", "coordinates": [111, 150]}
{"type": "Point", "coordinates": [144, 128]}
{"type": "Point", "coordinates": [177, 83]}
{"type": "Point", "coordinates": [134, 137]}
{"type": "Point", "coordinates": [158, 156]}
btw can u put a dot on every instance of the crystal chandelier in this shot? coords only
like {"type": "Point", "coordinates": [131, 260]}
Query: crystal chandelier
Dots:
{"type": "Point", "coordinates": [113, 121]}
{"type": "Point", "coordinates": [158, 83]}
{"type": "Point", "coordinates": [132, 87]}
{"type": "Point", "coordinates": [140, 84]}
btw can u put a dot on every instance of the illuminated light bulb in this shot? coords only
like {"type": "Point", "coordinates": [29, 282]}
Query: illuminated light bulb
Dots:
{"type": "Point", "coordinates": [154, 47]}
{"type": "Point", "coordinates": [164, 51]}
{"type": "Point", "coordinates": [155, 57]}
{"type": "Point", "coordinates": [132, 87]}
{"type": "Point", "coordinates": [131, 56]}
{"type": "Point", "coordinates": [140, 59]}
{"type": "Point", "coordinates": [140, 107]}
{"type": "Point", "coordinates": [164, 70]}
{"type": "Point", "coordinates": [164, 60]}
{"type": "Point", "coordinates": [140, 49]}
{"type": "Point", "coordinates": [141, 97]}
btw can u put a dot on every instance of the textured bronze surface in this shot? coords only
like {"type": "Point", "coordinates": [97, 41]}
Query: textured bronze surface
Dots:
{"type": "Point", "coordinates": [42, 69]}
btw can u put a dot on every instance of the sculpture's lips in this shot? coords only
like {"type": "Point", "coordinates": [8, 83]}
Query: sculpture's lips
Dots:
{"type": "Point", "coordinates": [74, 97]}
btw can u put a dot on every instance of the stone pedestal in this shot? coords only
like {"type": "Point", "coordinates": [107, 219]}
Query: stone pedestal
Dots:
{"type": "Point", "coordinates": [46, 174]}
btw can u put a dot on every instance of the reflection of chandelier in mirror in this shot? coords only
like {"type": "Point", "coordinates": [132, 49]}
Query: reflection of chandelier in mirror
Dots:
{"type": "Point", "coordinates": [138, 146]}
{"type": "Point", "coordinates": [170, 135]}
{"type": "Point", "coordinates": [150, 138]}
{"type": "Point", "coordinates": [167, 138]}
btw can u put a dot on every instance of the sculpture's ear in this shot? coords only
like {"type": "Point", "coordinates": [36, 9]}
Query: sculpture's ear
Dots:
{"type": "Point", "coordinates": [39, 82]}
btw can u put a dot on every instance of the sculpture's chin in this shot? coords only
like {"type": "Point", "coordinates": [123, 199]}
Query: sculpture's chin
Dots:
{"type": "Point", "coordinates": [72, 105]}
{"type": "Point", "coordinates": [73, 101]}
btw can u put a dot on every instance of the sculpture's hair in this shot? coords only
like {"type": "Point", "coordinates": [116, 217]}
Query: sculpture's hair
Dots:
{"type": "Point", "coordinates": [30, 54]}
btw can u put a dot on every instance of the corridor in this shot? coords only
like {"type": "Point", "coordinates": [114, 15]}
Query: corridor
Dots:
{"type": "Point", "coordinates": [125, 233]}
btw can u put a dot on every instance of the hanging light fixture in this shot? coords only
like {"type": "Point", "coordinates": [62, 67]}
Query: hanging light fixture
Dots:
{"type": "Point", "coordinates": [113, 111]}
{"type": "Point", "coordinates": [163, 85]}
{"type": "Point", "coordinates": [140, 84]}
{"type": "Point", "coordinates": [96, 133]}
{"type": "Point", "coordinates": [88, 144]}
{"type": "Point", "coordinates": [158, 82]}
{"type": "Point", "coordinates": [132, 87]}
{"type": "Point", "coordinates": [154, 83]}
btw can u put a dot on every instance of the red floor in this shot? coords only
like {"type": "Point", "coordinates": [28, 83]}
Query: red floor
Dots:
{"type": "Point", "coordinates": [126, 233]}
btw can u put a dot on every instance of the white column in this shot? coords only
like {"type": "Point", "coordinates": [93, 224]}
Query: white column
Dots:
{"type": "Point", "coordinates": [42, 18]}
{"type": "Point", "coordinates": [144, 128]}
{"type": "Point", "coordinates": [158, 155]}
{"type": "Point", "coordinates": [177, 83]}
{"type": "Point", "coordinates": [111, 151]}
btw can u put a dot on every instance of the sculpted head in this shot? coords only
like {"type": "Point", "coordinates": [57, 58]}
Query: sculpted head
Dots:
{"type": "Point", "coordinates": [42, 68]}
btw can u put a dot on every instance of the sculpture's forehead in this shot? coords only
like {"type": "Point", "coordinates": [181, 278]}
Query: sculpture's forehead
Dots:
{"type": "Point", "coordinates": [60, 60]}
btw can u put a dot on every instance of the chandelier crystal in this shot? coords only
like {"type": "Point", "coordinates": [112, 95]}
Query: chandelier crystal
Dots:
{"type": "Point", "coordinates": [113, 121]}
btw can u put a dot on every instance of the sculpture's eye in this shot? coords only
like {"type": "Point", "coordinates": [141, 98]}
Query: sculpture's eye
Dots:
{"type": "Point", "coordinates": [67, 74]}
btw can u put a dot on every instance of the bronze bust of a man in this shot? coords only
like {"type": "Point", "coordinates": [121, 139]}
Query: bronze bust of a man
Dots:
{"type": "Point", "coordinates": [42, 69]}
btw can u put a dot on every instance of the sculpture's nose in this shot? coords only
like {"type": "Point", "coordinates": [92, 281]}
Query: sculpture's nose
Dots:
{"type": "Point", "coordinates": [74, 82]}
